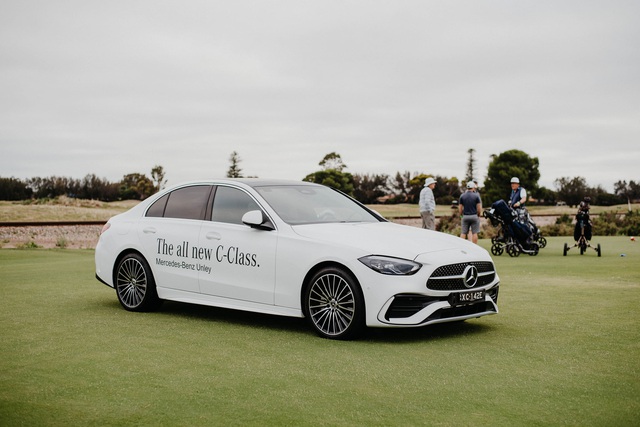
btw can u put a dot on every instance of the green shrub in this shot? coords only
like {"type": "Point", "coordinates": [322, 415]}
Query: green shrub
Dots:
{"type": "Point", "coordinates": [611, 224]}
{"type": "Point", "coordinates": [28, 245]}
{"type": "Point", "coordinates": [631, 225]}
{"type": "Point", "coordinates": [564, 219]}
{"type": "Point", "coordinates": [562, 229]}
{"type": "Point", "coordinates": [604, 224]}
{"type": "Point", "coordinates": [62, 242]}
{"type": "Point", "coordinates": [449, 224]}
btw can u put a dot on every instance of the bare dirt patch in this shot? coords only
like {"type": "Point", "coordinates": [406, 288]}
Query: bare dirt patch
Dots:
{"type": "Point", "coordinates": [86, 236]}
{"type": "Point", "coordinates": [61, 236]}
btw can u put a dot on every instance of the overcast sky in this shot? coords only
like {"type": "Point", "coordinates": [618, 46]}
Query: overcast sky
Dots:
{"type": "Point", "coordinates": [115, 87]}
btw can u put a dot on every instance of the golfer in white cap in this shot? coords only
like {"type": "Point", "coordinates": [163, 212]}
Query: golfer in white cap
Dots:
{"type": "Point", "coordinates": [518, 194]}
{"type": "Point", "coordinates": [428, 204]}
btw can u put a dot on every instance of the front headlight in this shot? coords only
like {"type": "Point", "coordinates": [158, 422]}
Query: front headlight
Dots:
{"type": "Point", "coordinates": [390, 265]}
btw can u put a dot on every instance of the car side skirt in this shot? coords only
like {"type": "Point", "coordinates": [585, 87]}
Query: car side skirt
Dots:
{"type": "Point", "coordinates": [234, 304]}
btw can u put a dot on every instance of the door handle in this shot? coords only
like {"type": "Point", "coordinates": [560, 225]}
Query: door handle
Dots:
{"type": "Point", "coordinates": [149, 230]}
{"type": "Point", "coordinates": [212, 235]}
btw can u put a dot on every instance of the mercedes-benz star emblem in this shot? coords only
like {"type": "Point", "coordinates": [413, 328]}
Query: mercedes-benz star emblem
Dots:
{"type": "Point", "coordinates": [470, 276]}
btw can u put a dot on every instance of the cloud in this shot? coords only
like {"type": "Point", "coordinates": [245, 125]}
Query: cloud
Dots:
{"type": "Point", "coordinates": [117, 87]}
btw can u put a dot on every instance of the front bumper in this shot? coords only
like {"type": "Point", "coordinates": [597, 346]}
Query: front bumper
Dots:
{"type": "Point", "coordinates": [420, 310]}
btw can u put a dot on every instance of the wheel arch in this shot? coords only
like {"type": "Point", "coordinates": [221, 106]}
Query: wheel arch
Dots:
{"type": "Point", "coordinates": [306, 282]}
{"type": "Point", "coordinates": [119, 258]}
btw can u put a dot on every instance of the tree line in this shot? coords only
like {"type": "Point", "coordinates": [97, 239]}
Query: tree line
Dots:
{"type": "Point", "coordinates": [402, 187]}
{"type": "Point", "coordinates": [405, 187]}
{"type": "Point", "coordinates": [136, 186]}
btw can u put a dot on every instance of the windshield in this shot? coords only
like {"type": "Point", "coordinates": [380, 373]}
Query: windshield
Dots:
{"type": "Point", "coordinates": [302, 204]}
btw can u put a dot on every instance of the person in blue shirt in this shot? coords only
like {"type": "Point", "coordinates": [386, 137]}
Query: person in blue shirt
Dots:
{"type": "Point", "coordinates": [470, 208]}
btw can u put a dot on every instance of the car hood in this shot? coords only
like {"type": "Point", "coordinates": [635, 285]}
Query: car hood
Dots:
{"type": "Point", "coordinates": [386, 238]}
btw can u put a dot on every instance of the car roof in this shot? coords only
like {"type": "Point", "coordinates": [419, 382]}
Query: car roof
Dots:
{"type": "Point", "coordinates": [251, 182]}
{"type": "Point", "coordinates": [258, 182]}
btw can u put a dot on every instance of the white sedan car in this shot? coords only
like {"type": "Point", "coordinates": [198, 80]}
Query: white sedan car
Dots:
{"type": "Point", "coordinates": [293, 249]}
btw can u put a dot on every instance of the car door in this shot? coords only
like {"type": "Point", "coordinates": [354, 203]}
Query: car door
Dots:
{"type": "Point", "coordinates": [241, 259]}
{"type": "Point", "coordinates": [169, 234]}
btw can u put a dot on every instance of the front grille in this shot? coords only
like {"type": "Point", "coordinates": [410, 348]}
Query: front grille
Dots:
{"type": "Point", "coordinates": [451, 277]}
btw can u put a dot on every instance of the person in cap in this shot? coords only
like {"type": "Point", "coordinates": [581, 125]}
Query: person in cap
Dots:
{"type": "Point", "coordinates": [470, 208]}
{"type": "Point", "coordinates": [428, 204]}
{"type": "Point", "coordinates": [518, 195]}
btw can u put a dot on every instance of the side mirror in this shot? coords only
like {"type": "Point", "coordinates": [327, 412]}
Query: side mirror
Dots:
{"type": "Point", "coordinates": [257, 219]}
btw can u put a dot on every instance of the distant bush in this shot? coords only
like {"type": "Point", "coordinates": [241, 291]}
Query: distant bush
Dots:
{"type": "Point", "coordinates": [62, 242]}
{"type": "Point", "coordinates": [561, 229]}
{"type": "Point", "coordinates": [13, 189]}
{"type": "Point", "coordinates": [28, 245]}
{"type": "Point", "coordinates": [610, 224]}
{"type": "Point", "coordinates": [605, 224]}
{"type": "Point", "coordinates": [449, 224]}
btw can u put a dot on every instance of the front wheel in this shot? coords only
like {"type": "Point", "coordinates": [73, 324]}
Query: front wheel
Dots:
{"type": "Point", "coordinates": [497, 249]}
{"type": "Point", "coordinates": [566, 249]}
{"type": "Point", "coordinates": [134, 283]}
{"type": "Point", "coordinates": [542, 242]}
{"type": "Point", "coordinates": [599, 250]}
{"type": "Point", "coordinates": [334, 305]}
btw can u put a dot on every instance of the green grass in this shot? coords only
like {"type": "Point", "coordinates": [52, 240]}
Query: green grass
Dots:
{"type": "Point", "coordinates": [564, 350]}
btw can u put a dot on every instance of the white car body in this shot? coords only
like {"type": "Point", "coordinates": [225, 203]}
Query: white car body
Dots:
{"type": "Point", "coordinates": [266, 263]}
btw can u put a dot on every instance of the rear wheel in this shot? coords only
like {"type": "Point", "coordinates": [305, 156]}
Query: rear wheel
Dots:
{"type": "Point", "coordinates": [513, 251]}
{"type": "Point", "coordinates": [599, 250]}
{"type": "Point", "coordinates": [134, 283]}
{"type": "Point", "coordinates": [334, 305]}
{"type": "Point", "coordinates": [566, 249]}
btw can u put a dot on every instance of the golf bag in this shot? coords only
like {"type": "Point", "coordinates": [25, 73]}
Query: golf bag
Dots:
{"type": "Point", "coordinates": [516, 232]}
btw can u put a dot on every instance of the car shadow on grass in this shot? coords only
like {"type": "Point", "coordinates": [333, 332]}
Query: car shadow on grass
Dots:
{"type": "Point", "coordinates": [433, 332]}
{"type": "Point", "coordinates": [238, 317]}
{"type": "Point", "coordinates": [300, 325]}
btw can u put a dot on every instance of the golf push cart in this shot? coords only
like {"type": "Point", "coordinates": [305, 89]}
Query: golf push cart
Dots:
{"type": "Point", "coordinates": [582, 231]}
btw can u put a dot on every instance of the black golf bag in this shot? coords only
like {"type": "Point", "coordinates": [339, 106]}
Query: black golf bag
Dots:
{"type": "Point", "coordinates": [515, 234]}
{"type": "Point", "coordinates": [583, 226]}
{"type": "Point", "coordinates": [582, 233]}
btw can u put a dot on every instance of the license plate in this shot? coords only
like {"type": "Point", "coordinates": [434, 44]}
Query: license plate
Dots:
{"type": "Point", "coordinates": [463, 298]}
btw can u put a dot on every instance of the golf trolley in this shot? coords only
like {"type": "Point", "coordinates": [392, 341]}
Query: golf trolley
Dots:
{"type": "Point", "coordinates": [582, 231]}
{"type": "Point", "coordinates": [517, 233]}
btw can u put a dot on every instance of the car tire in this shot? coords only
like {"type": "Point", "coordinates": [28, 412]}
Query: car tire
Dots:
{"type": "Point", "coordinates": [334, 305]}
{"type": "Point", "coordinates": [134, 284]}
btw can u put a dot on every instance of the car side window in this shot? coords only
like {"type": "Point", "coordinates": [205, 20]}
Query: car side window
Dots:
{"type": "Point", "coordinates": [230, 204]}
{"type": "Point", "coordinates": [157, 208]}
{"type": "Point", "coordinates": [186, 203]}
